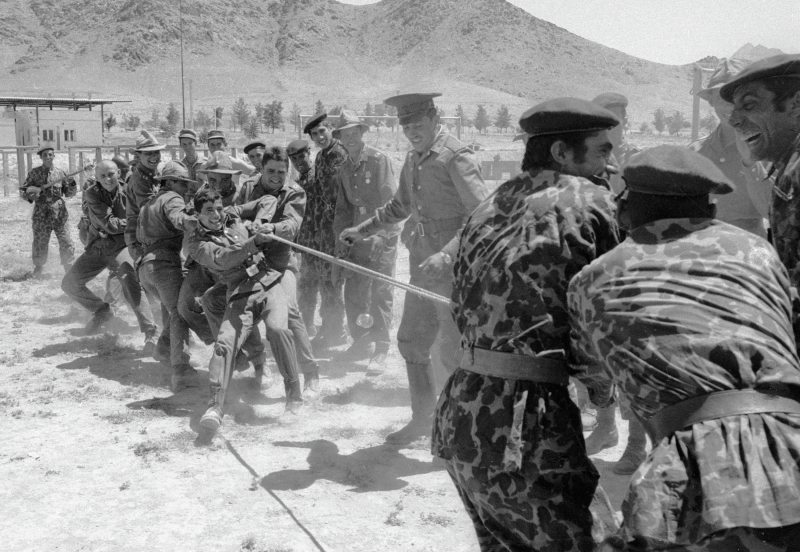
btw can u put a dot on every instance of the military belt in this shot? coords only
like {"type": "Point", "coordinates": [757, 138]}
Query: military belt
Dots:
{"type": "Point", "coordinates": [720, 404]}
{"type": "Point", "coordinates": [517, 367]}
{"type": "Point", "coordinates": [429, 226]}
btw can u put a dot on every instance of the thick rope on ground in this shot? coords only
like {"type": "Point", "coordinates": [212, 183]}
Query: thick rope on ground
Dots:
{"type": "Point", "coordinates": [366, 271]}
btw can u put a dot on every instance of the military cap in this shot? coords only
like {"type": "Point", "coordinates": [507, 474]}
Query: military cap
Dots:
{"type": "Point", "coordinates": [780, 66]}
{"type": "Point", "coordinates": [296, 146]}
{"type": "Point", "coordinates": [725, 71]}
{"type": "Point", "coordinates": [220, 163]}
{"type": "Point", "coordinates": [674, 171]}
{"type": "Point", "coordinates": [348, 119]}
{"type": "Point", "coordinates": [254, 145]}
{"type": "Point", "coordinates": [44, 149]}
{"type": "Point", "coordinates": [611, 99]}
{"type": "Point", "coordinates": [188, 133]}
{"type": "Point", "coordinates": [120, 162]}
{"type": "Point", "coordinates": [314, 122]}
{"type": "Point", "coordinates": [562, 115]}
{"type": "Point", "coordinates": [147, 142]}
{"type": "Point", "coordinates": [215, 133]}
{"type": "Point", "coordinates": [174, 170]}
{"type": "Point", "coordinates": [521, 136]}
{"type": "Point", "coordinates": [410, 106]}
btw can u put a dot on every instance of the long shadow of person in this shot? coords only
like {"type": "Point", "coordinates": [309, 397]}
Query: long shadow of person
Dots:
{"type": "Point", "coordinates": [377, 468]}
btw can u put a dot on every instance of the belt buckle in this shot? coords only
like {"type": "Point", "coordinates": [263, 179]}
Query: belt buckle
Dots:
{"type": "Point", "coordinates": [420, 229]}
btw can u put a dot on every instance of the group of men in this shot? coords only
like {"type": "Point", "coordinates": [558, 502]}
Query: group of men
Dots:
{"type": "Point", "coordinates": [652, 295]}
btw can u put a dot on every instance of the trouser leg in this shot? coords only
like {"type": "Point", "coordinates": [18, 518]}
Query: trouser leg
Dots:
{"type": "Point", "coordinates": [383, 299]}
{"type": "Point", "coordinates": [85, 269]}
{"type": "Point", "coordinates": [275, 313]}
{"type": "Point", "coordinates": [42, 228]}
{"type": "Point", "coordinates": [130, 288]}
{"type": "Point", "coordinates": [356, 301]}
{"type": "Point", "coordinates": [66, 248]}
{"type": "Point", "coordinates": [331, 302]}
{"type": "Point", "coordinates": [196, 283]}
{"type": "Point", "coordinates": [234, 327]}
{"type": "Point", "coordinates": [164, 279]}
{"type": "Point", "coordinates": [214, 303]}
{"type": "Point", "coordinates": [113, 293]}
{"type": "Point", "coordinates": [307, 287]}
{"type": "Point", "coordinates": [305, 355]}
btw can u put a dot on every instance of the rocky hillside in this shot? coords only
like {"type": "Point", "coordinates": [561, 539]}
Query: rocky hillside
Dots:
{"type": "Point", "coordinates": [754, 53]}
{"type": "Point", "coordinates": [475, 51]}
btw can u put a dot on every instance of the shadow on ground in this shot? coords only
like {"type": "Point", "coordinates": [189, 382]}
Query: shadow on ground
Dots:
{"type": "Point", "coordinates": [378, 468]}
{"type": "Point", "coordinates": [368, 393]}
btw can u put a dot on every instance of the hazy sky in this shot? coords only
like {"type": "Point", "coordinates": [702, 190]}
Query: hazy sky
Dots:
{"type": "Point", "coordinates": [673, 31]}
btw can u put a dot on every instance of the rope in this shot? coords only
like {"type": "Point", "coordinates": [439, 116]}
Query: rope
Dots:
{"type": "Point", "coordinates": [366, 271]}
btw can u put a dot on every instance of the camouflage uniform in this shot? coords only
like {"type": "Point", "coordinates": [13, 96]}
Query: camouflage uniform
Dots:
{"type": "Point", "coordinates": [784, 220]}
{"type": "Point", "coordinates": [514, 448]}
{"type": "Point", "coordinates": [322, 187]}
{"type": "Point", "coordinates": [50, 213]}
{"type": "Point", "coordinates": [683, 308]}
{"type": "Point", "coordinates": [622, 155]}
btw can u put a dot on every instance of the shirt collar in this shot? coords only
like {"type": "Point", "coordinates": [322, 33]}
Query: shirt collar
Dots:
{"type": "Point", "coordinates": [779, 167]}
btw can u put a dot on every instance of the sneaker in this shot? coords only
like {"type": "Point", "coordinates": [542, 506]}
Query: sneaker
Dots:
{"type": "Point", "coordinates": [377, 365]}
{"type": "Point", "coordinates": [149, 345]}
{"type": "Point", "coordinates": [183, 377]}
{"type": "Point", "coordinates": [212, 419]}
{"type": "Point", "coordinates": [100, 317]}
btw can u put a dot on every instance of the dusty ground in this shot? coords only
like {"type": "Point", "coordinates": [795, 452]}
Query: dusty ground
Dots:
{"type": "Point", "coordinates": [100, 455]}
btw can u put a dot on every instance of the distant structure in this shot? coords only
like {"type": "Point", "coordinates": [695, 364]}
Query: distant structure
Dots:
{"type": "Point", "coordinates": [55, 122]}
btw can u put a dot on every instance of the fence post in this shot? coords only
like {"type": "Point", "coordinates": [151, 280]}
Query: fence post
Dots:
{"type": "Point", "coordinates": [5, 174]}
{"type": "Point", "coordinates": [81, 165]}
{"type": "Point", "coordinates": [98, 154]}
{"type": "Point", "coordinates": [21, 172]}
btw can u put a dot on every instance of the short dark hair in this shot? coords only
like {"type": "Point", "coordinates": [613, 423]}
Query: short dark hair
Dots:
{"type": "Point", "coordinates": [783, 89]}
{"type": "Point", "coordinates": [205, 196]}
{"type": "Point", "coordinates": [537, 151]}
{"type": "Point", "coordinates": [275, 153]}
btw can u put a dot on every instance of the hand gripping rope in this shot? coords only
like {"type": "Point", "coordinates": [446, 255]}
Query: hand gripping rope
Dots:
{"type": "Point", "coordinates": [366, 272]}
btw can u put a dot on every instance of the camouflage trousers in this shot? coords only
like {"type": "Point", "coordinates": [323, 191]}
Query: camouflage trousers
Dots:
{"type": "Point", "coordinates": [511, 512]}
{"type": "Point", "coordinates": [316, 277]}
{"type": "Point", "coordinates": [46, 221]}
{"type": "Point", "coordinates": [736, 539]}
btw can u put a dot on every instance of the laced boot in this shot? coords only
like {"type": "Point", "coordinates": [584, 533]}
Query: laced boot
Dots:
{"type": "Point", "coordinates": [635, 450]}
{"type": "Point", "coordinates": [605, 435]}
{"type": "Point", "coordinates": [422, 387]}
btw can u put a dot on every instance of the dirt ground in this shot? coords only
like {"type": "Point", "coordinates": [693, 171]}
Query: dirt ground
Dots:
{"type": "Point", "coordinates": [100, 455]}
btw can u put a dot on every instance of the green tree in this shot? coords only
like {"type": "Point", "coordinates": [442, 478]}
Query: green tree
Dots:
{"type": "Point", "coordinates": [676, 122]}
{"type": "Point", "coordinates": [240, 113]}
{"type": "Point", "coordinates": [659, 120]}
{"type": "Point", "coordinates": [203, 120]}
{"type": "Point", "coordinates": [131, 122]}
{"type": "Point", "coordinates": [251, 128]}
{"type": "Point", "coordinates": [110, 122]}
{"type": "Point", "coordinates": [503, 119]}
{"type": "Point", "coordinates": [319, 107]}
{"type": "Point", "coordinates": [644, 128]}
{"type": "Point", "coordinates": [259, 114]}
{"type": "Point", "coordinates": [168, 130]}
{"type": "Point", "coordinates": [173, 115]}
{"type": "Point", "coordinates": [481, 121]}
{"type": "Point", "coordinates": [155, 119]}
{"type": "Point", "coordinates": [273, 117]}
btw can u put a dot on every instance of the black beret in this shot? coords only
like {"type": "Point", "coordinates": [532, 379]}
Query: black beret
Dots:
{"type": "Point", "coordinates": [784, 65]}
{"type": "Point", "coordinates": [410, 106]}
{"type": "Point", "coordinates": [611, 99]}
{"type": "Point", "coordinates": [314, 121]}
{"type": "Point", "coordinates": [562, 115]}
{"type": "Point", "coordinates": [674, 171]}
{"type": "Point", "coordinates": [296, 146]}
{"type": "Point", "coordinates": [254, 145]}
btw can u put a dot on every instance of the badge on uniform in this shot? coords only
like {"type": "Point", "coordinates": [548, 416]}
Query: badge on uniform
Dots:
{"type": "Point", "coordinates": [252, 270]}
{"type": "Point", "coordinates": [368, 175]}
{"type": "Point", "coordinates": [362, 210]}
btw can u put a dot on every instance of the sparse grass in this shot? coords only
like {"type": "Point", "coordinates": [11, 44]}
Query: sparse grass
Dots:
{"type": "Point", "coordinates": [45, 414]}
{"type": "Point", "coordinates": [12, 358]}
{"type": "Point", "coordinates": [125, 486]}
{"type": "Point", "coordinates": [394, 515]}
{"type": "Point", "coordinates": [150, 449]}
{"type": "Point", "coordinates": [52, 472]}
{"type": "Point", "coordinates": [17, 413]}
{"type": "Point", "coordinates": [109, 345]}
{"type": "Point", "coordinates": [436, 519]}
{"type": "Point", "coordinates": [250, 544]}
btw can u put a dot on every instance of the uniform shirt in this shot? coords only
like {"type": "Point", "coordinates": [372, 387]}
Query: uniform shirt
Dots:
{"type": "Point", "coordinates": [162, 221]}
{"type": "Point", "coordinates": [516, 255]}
{"type": "Point", "coordinates": [364, 185]}
{"type": "Point", "coordinates": [251, 190]}
{"type": "Point", "coordinates": [194, 167]}
{"type": "Point", "coordinates": [442, 185]}
{"type": "Point", "coordinates": [141, 187]}
{"type": "Point", "coordinates": [785, 213]}
{"type": "Point", "coordinates": [682, 308]}
{"type": "Point", "coordinates": [322, 189]}
{"type": "Point", "coordinates": [720, 147]}
{"type": "Point", "coordinates": [106, 213]}
{"type": "Point", "coordinates": [41, 176]}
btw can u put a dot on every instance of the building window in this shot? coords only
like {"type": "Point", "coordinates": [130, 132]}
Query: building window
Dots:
{"type": "Point", "coordinates": [48, 135]}
{"type": "Point", "coordinates": [69, 135]}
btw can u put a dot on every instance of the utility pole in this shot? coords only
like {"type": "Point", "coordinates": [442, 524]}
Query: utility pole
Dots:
{"type": "Point", "coordinates": [183, 90]}
{"type": "Point", "coordinates": [191, 106]}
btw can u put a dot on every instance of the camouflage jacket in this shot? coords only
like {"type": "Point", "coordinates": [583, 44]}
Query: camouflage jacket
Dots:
{"type": "Point", "coordinates": [516, 255]}
{"type": "Point", "coordinates": [51, 197]}
{"type": "Point", "coordinates": [321, 191]}
{"type": "Point", "coordinates": [682, 308]}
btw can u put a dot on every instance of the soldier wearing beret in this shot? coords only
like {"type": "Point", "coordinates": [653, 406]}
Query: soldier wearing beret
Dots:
{"type": "Point", "coordinates": [766, 114]}
{"type": "Point", "coordinates": [618, 105]}
{"type": "Point", "coordinates": [505, 425]}
{"type": "Point", "coordinates": [366, 183]}
{"type": "Point", "coordinates": [254, 152]}
{"type": "Point", "coordinates": [187, 138]}
{"type": "Point", "coordinates": [691, 318]}
{"type": "Point", "coordinates": [46, 187]}
{"type": "Point", "coordinates": [317, 233]}
{"type": "Point", "coordinates": [440, 185]}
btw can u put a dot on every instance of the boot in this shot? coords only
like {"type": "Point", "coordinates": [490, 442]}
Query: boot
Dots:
{"type": "Point", "coordinates": [422, 387]}
{"type": "Point", "coordinates": [183, 376]}
{"type": "Point", "coordinates": [100, 317]}
{"type": "Point", "coordinates": [262, 379]}
{"type": "Point", "coordinates": [635, 452]}
{"type": "Point", "coordinates": [605, 435]}
{"type": "Point", "coordinates": [311, 384]}
{"type": "Point", "coordinates": [294, 397]}
{"type": "Point", "coordinates": [38, 272]}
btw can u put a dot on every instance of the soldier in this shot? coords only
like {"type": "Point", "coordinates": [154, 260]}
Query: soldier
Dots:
{"type": "Point", "coordinates": [747, 207]}
{"type": "Point", "coordinates": [124, 169]}
{"type": "Point", "coordinates": [691, 318]}
{"type": "Point", "coordinates": [440, 185]}
{"type": "Point", "coordinates": [766, 114]}
{"type": "Point", "coordinates": [317, 233]}
{"type": "Point", "coordinates": [187, 138]}
{"type": "Point", "coordinates": [307, 283]}
{"type": "Point", "coordinates": [218, 143]}
{"type": "Point", "coordinates": [618, 105]}
{"type": "Point", "coordinates": [366, 183]}
{"type": "Point", "coordinates": [105, 249]}
{"type": "Point", "coordinates": [505, 425]}
{"type": "Point", "coordinates": [254, 152]}
{"type": "Point", "coordinates": [290, 201]}
{"type": "Point", "coordinates": [141, 188]}
{"type": "Point", "coordinates": [162, 222]}
{"type": "Point", "coordinates": [45, 187]}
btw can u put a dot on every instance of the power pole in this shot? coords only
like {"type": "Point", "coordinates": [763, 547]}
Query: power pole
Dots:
{"type": "Point", "coordinates": [191, 106]}
{"type": "Point", "coordinates": [183, 90]}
